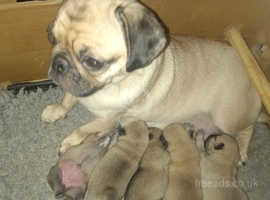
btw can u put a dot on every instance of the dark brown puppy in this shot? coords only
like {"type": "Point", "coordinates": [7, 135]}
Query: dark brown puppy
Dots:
{"type": "Point", "coordinates": [151, 180]}
{"type": "Point", "coordinates": [69, 177]}
{"type": "Point", "coordinates": [184, 168]}
{"type": "Point", "coordinates": [110, 178]}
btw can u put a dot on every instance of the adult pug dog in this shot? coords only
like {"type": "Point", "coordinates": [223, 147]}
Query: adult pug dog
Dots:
{"type": "Point", "coordinates": [115, 58]}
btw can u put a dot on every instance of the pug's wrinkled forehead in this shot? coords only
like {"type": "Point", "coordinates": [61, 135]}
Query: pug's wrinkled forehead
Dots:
{"type": "Point", "coordinates": [89, 25]}
{"type": "Point", "coordinates": [123, 31]}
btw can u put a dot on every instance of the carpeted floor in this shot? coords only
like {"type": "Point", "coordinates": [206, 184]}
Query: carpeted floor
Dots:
{"type": "Point", "coordinates": [28, 147]}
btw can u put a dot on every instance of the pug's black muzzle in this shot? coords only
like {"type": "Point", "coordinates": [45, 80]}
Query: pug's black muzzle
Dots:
{"type": "Point", "coordinates": [64, 73]}
{"type": "Point", "coordinates": [60, 64]}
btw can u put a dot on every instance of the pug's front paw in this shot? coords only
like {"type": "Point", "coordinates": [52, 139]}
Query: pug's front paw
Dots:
{"type": "Point", "coordinates": [74, 139]}
{"type": "Point", "coordinates": [53, 112]}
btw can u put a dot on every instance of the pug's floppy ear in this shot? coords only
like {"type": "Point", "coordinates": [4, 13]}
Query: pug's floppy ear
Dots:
{"type": "Point", "coordinates": [144, 34]}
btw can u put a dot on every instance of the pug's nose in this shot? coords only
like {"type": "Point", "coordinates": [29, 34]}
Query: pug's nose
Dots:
{"type": "Point", "coordinates": [60, 64]}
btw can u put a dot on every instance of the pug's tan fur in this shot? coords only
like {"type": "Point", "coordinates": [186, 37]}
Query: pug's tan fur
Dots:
{"type": "Point", "coordinates": [146, 76]}
{"type": "Point", "coordinates": [184, 167]}
{"type": "Point", "coordinates": [110, 178]}
{"type": "Point", "coordinates": [151, 180]}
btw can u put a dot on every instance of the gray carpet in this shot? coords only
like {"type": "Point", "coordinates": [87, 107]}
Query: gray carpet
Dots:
{"type": "Point", "coordinates": [28, 148]}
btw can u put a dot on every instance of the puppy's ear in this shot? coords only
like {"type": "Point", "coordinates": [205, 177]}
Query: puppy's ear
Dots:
{"type": "Point", "coordinates": [55, 181]}
{"type": "Point", "coordinates": [51, 36]}
{"type": "Point", "coordinates": [144, 34]}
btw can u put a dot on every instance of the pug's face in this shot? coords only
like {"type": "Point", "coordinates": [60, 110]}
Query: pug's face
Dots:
{"type": "Point", "coordinates": [97, 42]}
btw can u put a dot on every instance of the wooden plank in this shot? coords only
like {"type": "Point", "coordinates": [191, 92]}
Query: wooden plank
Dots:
{"type": "Point", "coordinates": [255, 73]}
{"type": "Point", "coordinates": [25, 50]}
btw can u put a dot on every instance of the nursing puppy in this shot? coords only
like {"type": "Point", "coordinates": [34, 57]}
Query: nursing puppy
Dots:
{"type": "Point", "coordinates": [69, 177]}
{"type": "Point", "coordinates": [110, 178]}
{"type": "Point", "coordinates": [219, 156]}
{"type": "Point", "coordinates": [184, 167]}
{"type": "Point", "coordinates": [115, 58]}
{"type": "Point", "coordinates": [151, 179]}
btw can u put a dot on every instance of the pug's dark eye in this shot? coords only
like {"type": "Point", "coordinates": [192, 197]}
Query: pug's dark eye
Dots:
{"type": "Point", "coordinates": [93, 63]}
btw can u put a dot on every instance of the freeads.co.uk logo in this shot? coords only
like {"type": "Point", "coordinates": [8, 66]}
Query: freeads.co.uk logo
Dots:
{"type": "Point", "coordinates": [225, 183]}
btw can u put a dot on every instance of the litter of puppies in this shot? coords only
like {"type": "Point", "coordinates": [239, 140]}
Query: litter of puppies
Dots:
{"type": "Point", "coordinates": [142, 163]}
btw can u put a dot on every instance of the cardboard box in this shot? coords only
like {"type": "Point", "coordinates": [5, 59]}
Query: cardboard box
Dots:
{"type": "Point", "coordinates": [24, 48]}
{"type": "Point", "coordinates": [25, 51]}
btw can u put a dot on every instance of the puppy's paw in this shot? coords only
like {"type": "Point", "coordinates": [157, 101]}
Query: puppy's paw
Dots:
{"type": "Point", "coordinates": [53, 112]}
{"type": "Point", "coordinates": [74, 139]}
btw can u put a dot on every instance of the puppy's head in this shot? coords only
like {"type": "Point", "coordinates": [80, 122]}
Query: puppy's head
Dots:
{"type": "Point", "coordinates": [223, 148]}
{"type": "Point", "coordinates": [69, 177]}
{"type": "Point", "coordinates": [97, 42]}
{"type": "Point", "coordinates": [72, 187]}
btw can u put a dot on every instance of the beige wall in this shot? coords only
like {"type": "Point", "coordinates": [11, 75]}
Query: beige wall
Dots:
{"type": "Point", "coordinates": [25, 52]}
